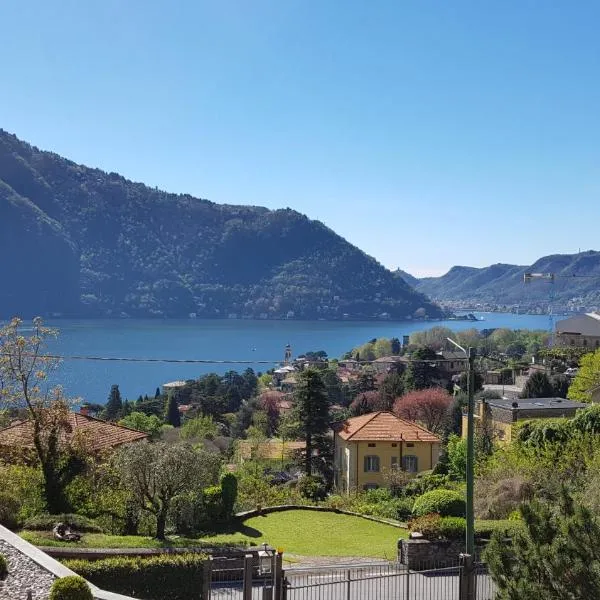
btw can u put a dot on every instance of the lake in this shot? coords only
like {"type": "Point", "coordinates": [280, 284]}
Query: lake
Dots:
{"type": "Point", "coordinates": [217, 340]}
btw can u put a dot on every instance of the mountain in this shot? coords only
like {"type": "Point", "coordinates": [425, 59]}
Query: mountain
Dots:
{"type": "Point", "coordinates": [577, 283]}
{"type": "Point", "coordinates": [79, 241]}
{"type": "Point", "coordinates": [408, 278]}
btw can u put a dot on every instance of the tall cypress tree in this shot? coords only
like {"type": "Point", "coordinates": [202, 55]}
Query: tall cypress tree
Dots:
{"type": "Point", "coordinates": [114, 404]}
{"type": "Point", "coordinates": [312, 410]}
{"type": "Point", "coordinates": [172, 416]}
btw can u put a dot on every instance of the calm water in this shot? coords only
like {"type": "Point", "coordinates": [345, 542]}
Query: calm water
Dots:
{"type": "Point", "coordinates": [214, 340]}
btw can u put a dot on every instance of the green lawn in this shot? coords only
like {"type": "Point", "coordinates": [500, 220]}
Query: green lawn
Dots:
{"type": "Point", "coordinates": [311, 533]}
{"type": "Point", "coordinates": [302, 532]}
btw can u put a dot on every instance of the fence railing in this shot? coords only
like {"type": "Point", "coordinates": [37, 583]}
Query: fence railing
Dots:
{"type": "Point", "coordinates": [365, 581]}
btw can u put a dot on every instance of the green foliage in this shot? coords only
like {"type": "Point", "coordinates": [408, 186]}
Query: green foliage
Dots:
{"type": "Point", "coordinates": [213, 503]}
{"type": "Point", "coordinates": [172, 416]}
{"type": "Point", "coordinates": [229, 492]}
{"type": "Point", "coordinates": [147, 253]}
{"type": "Point", "coordinates": [446, 503]}
{"type": "Point", "coordinates": [312, 487]}
{"type": "Point", "coordinates": [312, 411]}
{"type": "Point", "coordinates": [587, 377]}
{"type": "Point", "coordinates": [200, 428]}
{"type": "Point", "coordinates": [45, 522]}
{"type": "Point", "coordinates": [155, 474]}
{"type": "Point", "coordinates": [114, 404]}
{"type": "Point", "coordinates": [553, 556]}
{"type": "Point", "coordinates": [70, 588]}
{"type": "Point", "coordinates": [538, 432]}
{"type": "Point", "coordinates": [9, 509]}
{"type": "Point", "coordinates": [501, 528]}
{"type": "Point", "coordinates": [427, 525]}
{"type": "Point", "coordinates": [164, 577]}
{"type": "Point", "coordinates": [538, 385]}
{"type": "Point", "coordinates": [3, 567]}
{"type": "Point", "coordinates": [149, 424]}
{"type": "Point", "coordinates": [456, 451]}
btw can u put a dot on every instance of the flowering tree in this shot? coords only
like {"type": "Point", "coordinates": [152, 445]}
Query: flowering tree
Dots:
{"type": "Point", "coordinates": [429, 407]}
{"type": "Point", "coordinates": [24, 365]}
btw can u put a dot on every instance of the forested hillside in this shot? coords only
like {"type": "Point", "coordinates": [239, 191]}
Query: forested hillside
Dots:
{"type": "Point", "coordinates": [77, 240]}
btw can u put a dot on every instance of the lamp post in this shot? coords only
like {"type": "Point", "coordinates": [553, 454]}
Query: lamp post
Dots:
{"type": "Point", "coordinates": [468, 590]}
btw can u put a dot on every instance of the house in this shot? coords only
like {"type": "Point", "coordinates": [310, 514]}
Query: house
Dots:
{"type": "Point", "coordinates": [173, 386]}
{"type": "Point", "coordinates": [350, 364]}
{"type": "Point", "coordinates": [452, 362]}
{"type": "Point", "coordinates": [386, 364]}
{"type": "Point", "coordinates": [273, 449]}
{"type": "Point", "coordinates": [499, 417]}
{"type": "Point", "coordinates": [100, 435]}
{"type": "Point", "coordinates": [280, 374]}
{"type": "Point", "coordinates": [581, 330]}
{"type": "Point", "coordinates": [368, 446]}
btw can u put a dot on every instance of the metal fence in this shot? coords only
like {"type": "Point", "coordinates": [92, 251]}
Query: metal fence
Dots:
{"type": "Point", "coordinates": [373, 581]}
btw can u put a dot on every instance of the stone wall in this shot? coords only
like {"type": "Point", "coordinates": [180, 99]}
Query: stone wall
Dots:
{"type": "Point", "coordinates": [420, 554]}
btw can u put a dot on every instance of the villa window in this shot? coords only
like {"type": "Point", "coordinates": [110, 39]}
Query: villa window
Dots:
{"type": "Point", "coordinates": [395, 463]}
{"type": "Point", "coordinates": [371, 464]}
{"type": "Point", "coordinates": [410, 463]}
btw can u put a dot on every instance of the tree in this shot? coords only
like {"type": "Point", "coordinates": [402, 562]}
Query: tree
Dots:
{"type": "Point", "coordinates": [429, 407]}
{"type": "Point", "coordinates": [114, 404]}
{"type": "Point", "coordinates": [554, 556]}
{"type": "Point", "coordinates": [391, 387]}
{"type": "Point", "coordinates": [421, 372]}
{"type": "Point", "coordinates": [157, 473]}
{"type": "Point", "coordinates": [312, 410]}
{"type": "Point", "coordinates": [24, 365]}
{"type": "Point", "coordinates": [560, 386]}
{"type": "Point", "coordinates": [200, 428]}
{"type": "Point", "coordinates": [395, 346]}
{"type": "Point", "coordinates": [366, 381]}
{"type": "Point", "coordinates": [149, 424]}
{"type": "Point", "coordinates": [229, 492]}
{"type": "Point", "coordinates": [365, 403]}
{"type": "Point", "coordinates": [172, 416]}
{"type": "Point", "coordinates": [477, 378]}
{"type": "Point", "coordinates": [269, 403]}
{"type": "Point", "coordinates": [587, 378]}
{"type": "Point", "coordinates": [538, 386]}
{"type": "Point", "coordinates": [157, 393]}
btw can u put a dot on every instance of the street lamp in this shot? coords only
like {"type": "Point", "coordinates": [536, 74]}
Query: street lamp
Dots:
{"type": "Point", "coordinates": [470, 514]}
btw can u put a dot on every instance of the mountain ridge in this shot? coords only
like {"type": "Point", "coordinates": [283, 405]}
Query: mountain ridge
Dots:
{"type": "Point", "coordinates": [577, 283]}
{"type": "Point", "coordinates": [115, 247]}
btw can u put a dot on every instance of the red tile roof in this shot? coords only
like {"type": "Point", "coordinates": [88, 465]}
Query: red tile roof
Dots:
{"type": "Point", "coordinates": [382, 426]}
{"type": "Point", "coordinates": [102, 435]}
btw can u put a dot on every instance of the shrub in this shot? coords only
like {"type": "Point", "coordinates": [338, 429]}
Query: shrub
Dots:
{"type": "Point", "coordinates": [447, 503]}
{"type": "Point", "coordinates": [46, 522]}
{"type": "Point", "coordinates": [420, 485]}
{"type": "Point", "coordinates": [427, 525]}
{"type": "Point", "coordinates": [213, 503]}
{"type": "Point", "coordinates": [504, 528]}
{"type": "Point", "coordinates": [312, 487]}
{"type": "Point", "coordinates": [3, 567]}
{"type": "Point", "coordinates": [434, 527]}
{"type": "Point", "coordinates": [163, 577]}
{"type": "Point", "coordinates": [70, 588]}
{"type": "Point", "coordinates": [9, 510]}
{"type": "Point", "coordinates": [229, 490]}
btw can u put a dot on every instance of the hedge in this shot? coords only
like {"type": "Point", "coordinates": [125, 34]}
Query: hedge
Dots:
{"type": "Point", "coordinates": [164, 577]}
{"type": "Point", "coordinates": [446, 503]}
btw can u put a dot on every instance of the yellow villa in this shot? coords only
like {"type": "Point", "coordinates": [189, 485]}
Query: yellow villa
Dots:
{"type": "Point", "coordinates": [366, 447]}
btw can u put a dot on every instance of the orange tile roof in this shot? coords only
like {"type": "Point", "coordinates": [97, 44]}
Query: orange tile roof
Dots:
{"type": "Point", "coordinates": [382, 426]}
{"type": "Point", "coordinates": [102, 435]}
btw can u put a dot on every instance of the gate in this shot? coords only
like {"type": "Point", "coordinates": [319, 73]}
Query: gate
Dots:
{"type": "Point", "coordinates": [249, 577]}
{"type": "Point", "coordinates": [262, 578]}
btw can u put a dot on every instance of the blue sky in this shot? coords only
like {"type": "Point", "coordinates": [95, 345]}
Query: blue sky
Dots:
{"type": "Point", "coordinates": [428, 133]}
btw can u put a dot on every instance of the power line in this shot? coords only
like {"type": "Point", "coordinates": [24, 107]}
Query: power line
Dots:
{"type": "Point", "coordinates": [62, 357]}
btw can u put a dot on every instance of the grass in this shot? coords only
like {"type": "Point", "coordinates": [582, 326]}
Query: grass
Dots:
{"type": "Point", "coordinates": [309, 533]}
{"type": "Point", "coordinates": [101, 540]}
{"type": "Point", "coordinates": [300, 532]}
